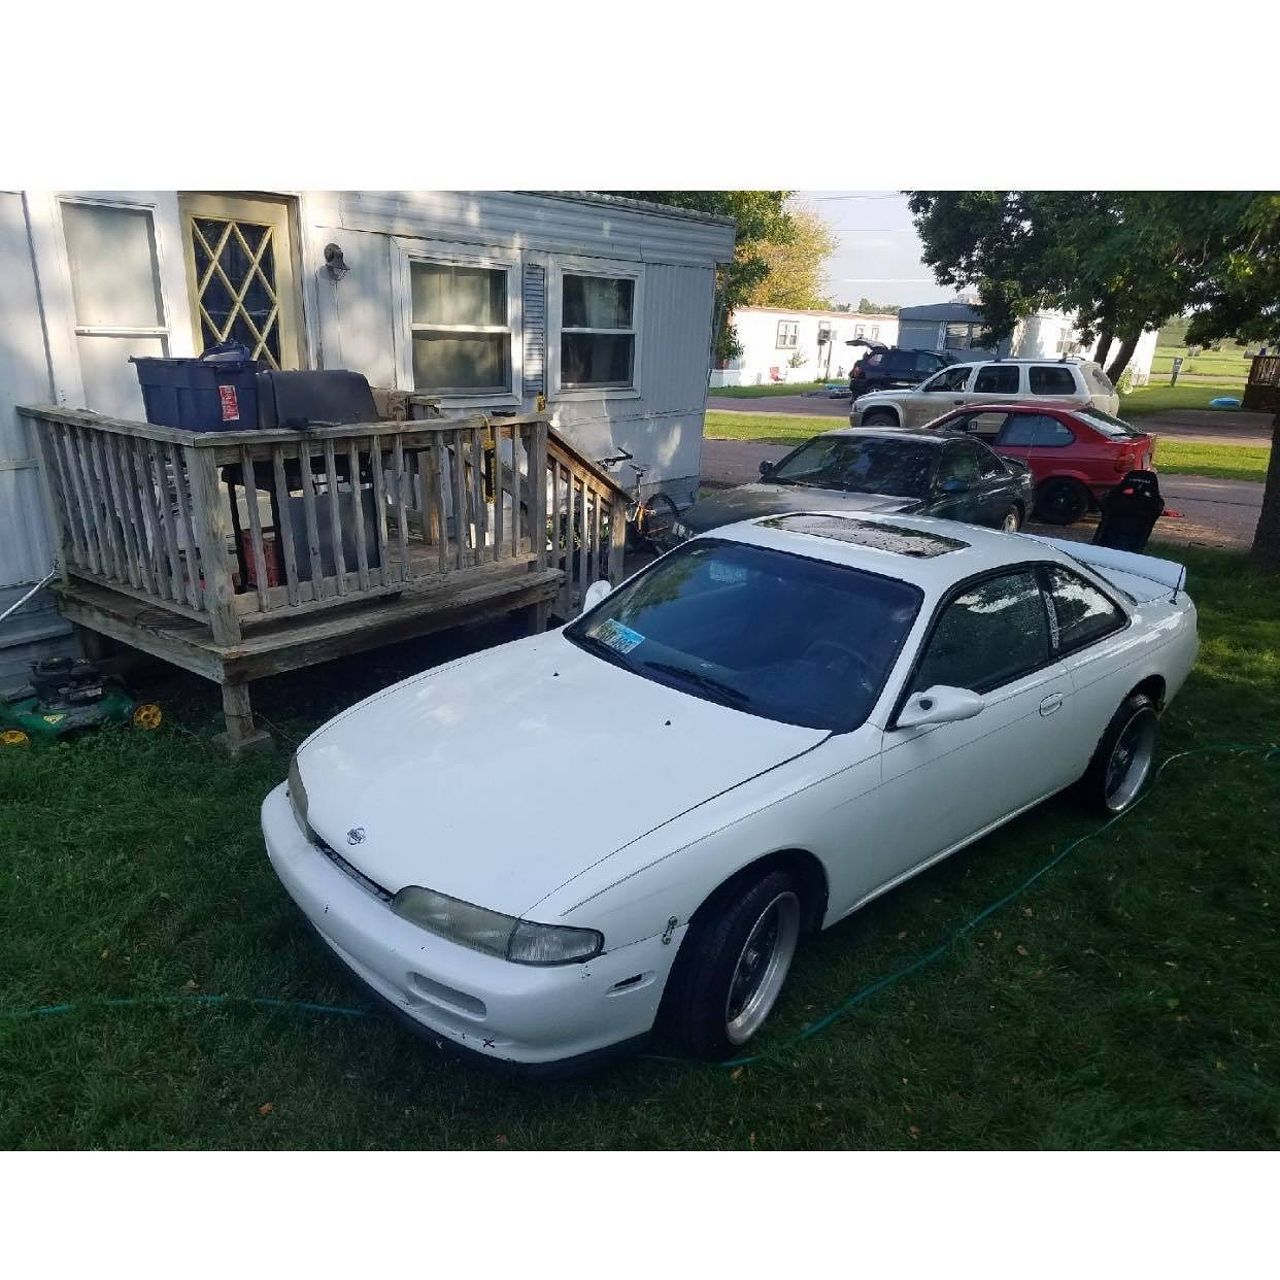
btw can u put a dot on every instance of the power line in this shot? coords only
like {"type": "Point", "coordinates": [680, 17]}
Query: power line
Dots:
{"type": "Point", "coordinates": [890, 195]}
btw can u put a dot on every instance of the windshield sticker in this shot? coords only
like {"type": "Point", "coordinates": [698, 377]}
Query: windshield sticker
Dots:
{"type": "Point", "coordinates": [731, 574]}
{"type": "Point", "coordinates": [617, 636]}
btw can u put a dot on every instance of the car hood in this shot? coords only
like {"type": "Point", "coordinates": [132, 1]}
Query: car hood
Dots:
{"type": "Point", "coordinates": [497, 778]}
{"type": "Point", "coordinates": [752, 500]}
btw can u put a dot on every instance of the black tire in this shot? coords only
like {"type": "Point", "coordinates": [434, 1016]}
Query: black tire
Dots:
{"type": "Point", "coordinates": [880, 418]}
{"type": "Point", "coordinates": [697, 1007]}
{"type": "Point", "coordinates": [1135, 719]}
{"type": "Point", "coordinates": [1061, 500]}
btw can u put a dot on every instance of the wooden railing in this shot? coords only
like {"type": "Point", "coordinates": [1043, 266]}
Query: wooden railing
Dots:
{"type": "Point", "coordinates": [1262, 394]}
{"type": "Point", "coordinates": [587, 531]}
{"type": "Point", "coordinates": [352, 511]}
{"type": "Point", "coordinates": [238, 528]}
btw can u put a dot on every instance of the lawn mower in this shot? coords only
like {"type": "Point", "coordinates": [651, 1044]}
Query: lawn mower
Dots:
{"type": "Point", "coordinates": [67, 694]}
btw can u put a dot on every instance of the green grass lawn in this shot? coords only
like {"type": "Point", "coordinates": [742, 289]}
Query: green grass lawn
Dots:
{"type": "Point", "coordinates": [1174, 457]}
{"type": "Point", "coordinates": [1224, 461]}
{"type": "Point", "coordinates": [1130, 998]}
{"type": "Point", "coordinates": [773, 389]}
{"type": "Point", "coordinates": [1230, 365]}
{"type": "Point", "coordinates": [1157, 398]}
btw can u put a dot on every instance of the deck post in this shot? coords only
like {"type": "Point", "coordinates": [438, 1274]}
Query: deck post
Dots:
{"type": "Point", "coordinates": [213, 528]}
{"type": "Point", "coordinates": [241, 732]}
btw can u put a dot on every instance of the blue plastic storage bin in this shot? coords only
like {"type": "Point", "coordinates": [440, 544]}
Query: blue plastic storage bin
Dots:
{"type": "Point", "coordinates": [216, 391]}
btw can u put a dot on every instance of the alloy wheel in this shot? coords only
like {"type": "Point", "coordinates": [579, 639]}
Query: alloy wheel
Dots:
{"type": "Point", "coordinates": [1130, 762]}
{"type": "Point", "coordinates": [762, 967]}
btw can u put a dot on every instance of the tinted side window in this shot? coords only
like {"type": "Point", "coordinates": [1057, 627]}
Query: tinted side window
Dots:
{"type": "Point", "coordinates": [959, 462]}
{"type": "Point", "coordinates": [900, 362]}
{"type": "Point", "coordinates": [1023, 430]}
{"type": "Point", "coordinates": [989, 464]}
{"type": "Point", "coordinates": [989, 634]}
{"type": "Point", "coordinates": [952, 379]}
{"type": "Point", "coordinates": [1082, 613]}
{"type": "Point", "coordinates": [997, 379]}
{"type": "Point", "coordinates": [1099, 380]}
{"type": "Point", "coordinates": [926, 364]}
{"type": "Point", "coordinates": [1052, 380]}
{"type": "Point", "coordinates": [873, 361]}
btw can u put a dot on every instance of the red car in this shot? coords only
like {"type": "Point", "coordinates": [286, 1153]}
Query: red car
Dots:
{"type": "Point", "coordinates": [1075, 455]}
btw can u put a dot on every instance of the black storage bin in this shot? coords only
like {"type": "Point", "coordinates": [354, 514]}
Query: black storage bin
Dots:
{"type": "Point", "coordinates": [217, 391]}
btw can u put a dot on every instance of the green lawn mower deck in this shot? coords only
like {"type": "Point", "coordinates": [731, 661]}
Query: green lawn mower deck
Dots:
{"type": "Point", "coordinates": [66, 695]}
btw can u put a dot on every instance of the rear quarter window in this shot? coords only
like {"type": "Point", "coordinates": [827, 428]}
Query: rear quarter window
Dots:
{"type": "Point", "coordinates": [1052, 380]}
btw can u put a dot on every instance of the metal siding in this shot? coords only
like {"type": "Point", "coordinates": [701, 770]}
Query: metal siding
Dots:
{"type": "Point", "coordinates": [520, 221]}
{"type": "Point", "coordinates": [534, 318]}
{"type": "Point", "coordinates": [26, 551]}
{"type": "Point", "coordinates": [676, 352]}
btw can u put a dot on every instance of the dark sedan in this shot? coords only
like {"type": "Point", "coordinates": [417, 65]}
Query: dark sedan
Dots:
{"type": "Point", "coordinates": [867, 470]}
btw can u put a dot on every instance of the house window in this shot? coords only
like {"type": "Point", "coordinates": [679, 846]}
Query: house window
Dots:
{"type": "Point", "coordinates": [788, 334]}
{"type": "Point", "coordinates": [597, 331]}
{"type": "Point", "coordinates": [875, 332]}
{"type": "Point", "coordinates": [824, 332]}
{"type": "Point", "coordinates": [461, 325]}
{"type": "Point", "coordinates": [859, 331]}
{"type": "Point", "coordinates": [961, 337]}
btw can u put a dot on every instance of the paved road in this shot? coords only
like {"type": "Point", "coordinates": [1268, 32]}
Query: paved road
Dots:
{"type": "Point", "coordinates": [1215, 513]}
{"type": "Point", "coordinates": [1204, 425]}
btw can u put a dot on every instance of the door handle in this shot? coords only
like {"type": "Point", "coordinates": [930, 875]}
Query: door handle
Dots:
{"type": "Point", "coordinates": [1050, 704]}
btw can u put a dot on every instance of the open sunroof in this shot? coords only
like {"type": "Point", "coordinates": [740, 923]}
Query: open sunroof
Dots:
{"type": "Point", "coordinates": [882, 537]}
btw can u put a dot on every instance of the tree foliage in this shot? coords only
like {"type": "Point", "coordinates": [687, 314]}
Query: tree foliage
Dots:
{"type": "Point", "coordinates": [795, 275]}
{"type": "Point", "coordinates": [866, 307]}
{"type": "Point", "coordinates": [1122, 261]}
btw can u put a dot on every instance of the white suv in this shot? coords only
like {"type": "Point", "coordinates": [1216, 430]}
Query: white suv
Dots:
{"type": "Point", "coordinates": [1076, 383]}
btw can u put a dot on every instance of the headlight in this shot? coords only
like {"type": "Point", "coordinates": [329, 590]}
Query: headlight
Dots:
{"type": "Point", "coordinates": [298, 799]}
{"type": "Point", "coordinates": [519, 940]}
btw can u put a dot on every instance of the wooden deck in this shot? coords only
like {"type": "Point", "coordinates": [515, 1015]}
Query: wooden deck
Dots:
{"type": "Point", "coordinates": [238, 555]}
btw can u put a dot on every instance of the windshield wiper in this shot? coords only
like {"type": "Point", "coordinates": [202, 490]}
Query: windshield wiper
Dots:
{"type": "Point", "coordinates": [708, 683]}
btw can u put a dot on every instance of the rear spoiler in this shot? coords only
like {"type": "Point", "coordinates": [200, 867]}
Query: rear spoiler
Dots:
{"type": "Point", "coordinates": [1168, 573]}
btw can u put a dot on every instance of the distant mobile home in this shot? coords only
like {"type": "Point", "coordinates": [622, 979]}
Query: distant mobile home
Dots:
{"type": "Point", "coordinates": [782, 345]}
{"type": "Point", "coordinates": [596, 308]}
{"type": "Point", "coordinates": [956, 326]}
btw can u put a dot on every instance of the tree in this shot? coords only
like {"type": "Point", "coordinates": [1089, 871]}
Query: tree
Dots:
{"type": "Point", "coordinates": [1238, 295]}
{"type": "Point", "coordinates": [762, 220]}
{"type": "Point", "coordinates": [866, 307]}
{"type": "Point", "coordinates": [795, 277]}
{"type": "Point", "coordinates": [1122, 261]}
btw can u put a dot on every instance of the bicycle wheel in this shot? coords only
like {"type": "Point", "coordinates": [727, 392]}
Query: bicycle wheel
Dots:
{"type": "Point", "coordinates": [655, 520]}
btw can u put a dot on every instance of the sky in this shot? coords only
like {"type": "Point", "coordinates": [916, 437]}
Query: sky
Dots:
{"type": "Point", "coordinates": [879, 252]}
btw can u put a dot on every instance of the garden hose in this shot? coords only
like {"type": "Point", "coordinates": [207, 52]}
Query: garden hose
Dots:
{"type": "Point", "coordinates": [1269, 753]}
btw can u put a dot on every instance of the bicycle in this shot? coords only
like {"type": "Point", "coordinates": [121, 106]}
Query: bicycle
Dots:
{"type": "Point", "coordinates": [651, 520]}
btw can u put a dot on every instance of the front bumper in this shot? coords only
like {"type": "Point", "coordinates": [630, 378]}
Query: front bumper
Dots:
{"type": "Point", "coordinates": [504, 1011]}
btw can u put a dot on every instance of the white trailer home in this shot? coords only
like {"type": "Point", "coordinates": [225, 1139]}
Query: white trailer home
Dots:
{"type": "Point", "coordinates": [596, 309]}
{"type": "Point", "coordinates": [782, 345]}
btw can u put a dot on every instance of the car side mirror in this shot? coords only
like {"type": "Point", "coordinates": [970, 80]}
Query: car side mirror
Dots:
{"type": "Point", "coordinates": [765, 468]}
{"type": "Point", "coordinates": [939, 704]}
{"type": "Point", "coordinates": [596, 592]}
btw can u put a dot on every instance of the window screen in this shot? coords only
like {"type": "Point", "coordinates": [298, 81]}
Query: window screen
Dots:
{"type": "Point", "coordinates": [597, 331]}
{"type": "Point", "coordinates": [997, 379]}
{"type": "Point", "coordinates": [991, 633]}
{"type": "Point", "coordinates": [1082, 612]}
{"type": "Point", "coordinates": [1052, 380]}
{"type": "Point", "coordinates": [461, 335]}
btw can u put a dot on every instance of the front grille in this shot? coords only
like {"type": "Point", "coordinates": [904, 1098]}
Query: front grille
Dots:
{"type": "Point", "coordinates": [358, 876]}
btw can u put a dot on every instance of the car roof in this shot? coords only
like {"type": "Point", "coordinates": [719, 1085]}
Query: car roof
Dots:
{"type": "Point", "coordinates": [881, 433]}
{"type": "Point", "coordinates": [1070, 360]}
{"type": "Point", "coordinates": [933, 554]}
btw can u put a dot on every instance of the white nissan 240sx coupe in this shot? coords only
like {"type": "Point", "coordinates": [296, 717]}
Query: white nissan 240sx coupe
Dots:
{"type": "Point", "coordinates": [541, 851]}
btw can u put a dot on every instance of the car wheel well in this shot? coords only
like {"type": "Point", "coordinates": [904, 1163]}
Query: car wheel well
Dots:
{"type": "Point", "coordinates": [1153, 687]}
{"type": "Point", "coordinates": [880, 415]}
{"type": "Point", "coordinates": [810, 875]}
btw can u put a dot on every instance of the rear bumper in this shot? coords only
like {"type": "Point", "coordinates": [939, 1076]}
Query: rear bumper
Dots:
{"type": "Point", "coordinates": [502, 1011]}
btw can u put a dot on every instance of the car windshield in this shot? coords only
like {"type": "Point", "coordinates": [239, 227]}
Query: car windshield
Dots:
{"type": "Point", "coordinates": [802, 641]}
{"type": "Point", "coordinates": [1106, 425]}
{"type": "Point", "coordinates": [898, 468]}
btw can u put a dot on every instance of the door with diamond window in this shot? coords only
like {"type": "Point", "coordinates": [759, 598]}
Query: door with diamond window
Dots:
{"type": "Point", "coordinates": [240, 271]}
